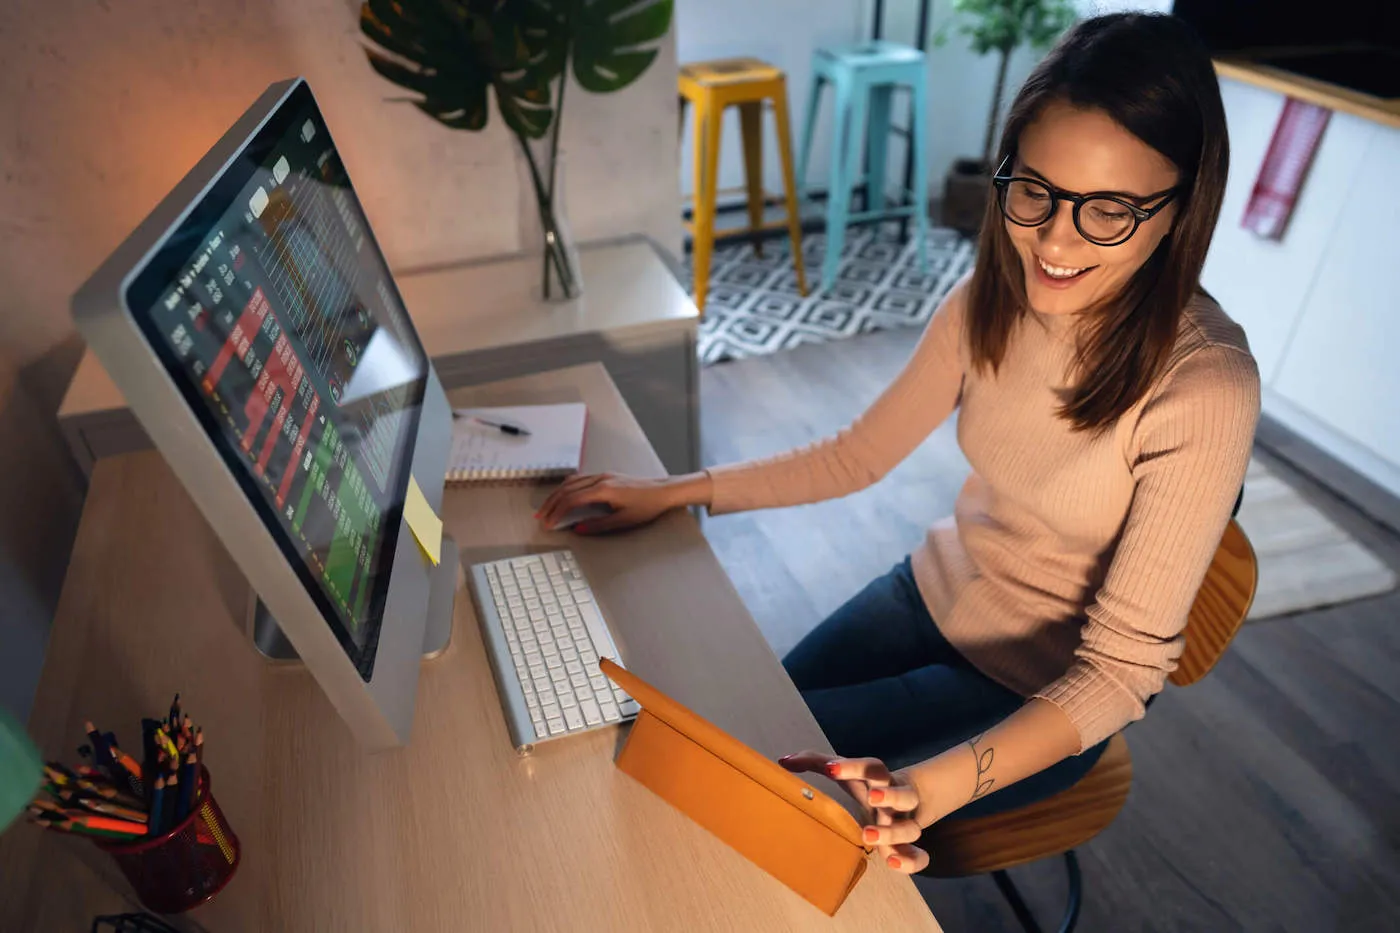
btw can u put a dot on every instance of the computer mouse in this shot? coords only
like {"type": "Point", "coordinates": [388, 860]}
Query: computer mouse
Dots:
{"type": "Point", "coordinates": [582, 514]}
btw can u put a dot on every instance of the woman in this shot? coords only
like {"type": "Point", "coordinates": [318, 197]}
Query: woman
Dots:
{"type": "Point", "coordinates": [1107, 407]}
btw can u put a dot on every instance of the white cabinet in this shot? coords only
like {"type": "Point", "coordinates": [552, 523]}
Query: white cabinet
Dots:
{"type": "Point", "coordinates": [1321, 306]}
{"type": "Point", "coordinates": [1261, 283]}
{"type": "Point", "coordinates": [1342, 365]}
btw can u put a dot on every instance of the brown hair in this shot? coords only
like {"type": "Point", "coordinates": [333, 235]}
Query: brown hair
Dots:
{"type": "Point", "coordinates": [1151, 74]}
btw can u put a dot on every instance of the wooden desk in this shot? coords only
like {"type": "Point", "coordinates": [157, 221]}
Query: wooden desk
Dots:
{"type": "Point", "coordinates": [479, 323]}
{"type": "Point", "coordinates": [454, 832]}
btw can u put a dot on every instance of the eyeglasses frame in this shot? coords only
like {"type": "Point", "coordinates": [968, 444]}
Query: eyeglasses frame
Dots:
{"type": "Point", "coordinates": [1140, 215]}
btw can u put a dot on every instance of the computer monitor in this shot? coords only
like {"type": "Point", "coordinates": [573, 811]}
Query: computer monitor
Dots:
{"type": "Point", "coordinates": [255, 330]}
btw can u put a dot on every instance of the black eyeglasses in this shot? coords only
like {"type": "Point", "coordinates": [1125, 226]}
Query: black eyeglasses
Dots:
{"type": "Point", "coordinates": [1101, 217]}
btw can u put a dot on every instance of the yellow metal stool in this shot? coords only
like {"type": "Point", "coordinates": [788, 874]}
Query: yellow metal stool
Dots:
{"type": "Point", "coordinates": [746, 83]}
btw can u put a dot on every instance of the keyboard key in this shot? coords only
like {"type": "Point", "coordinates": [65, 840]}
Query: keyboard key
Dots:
{"type": "Point", "coordinates": [556, 727]}
{"type": "Point", "coordinates": [591, 713]}
{"type": "Point", "coordinates": [554, 662]}
{"type": "Point", "coordinates": [551, 711]}
{"type": "Point", "coordinates": [568, 700]}
{"type": "Point", "coordinates": [578, 680]}
{"type": "Point", "coordinates": [537, 671]}
{"type": "Point", "coordinates": [569, 654]}
{"type": "Point", "coordinates": [557, 675]}
{"type": "Point", "coordinates": [574, 718]}
{"type": "Point", "coordinates": [588, 657]}
{"type": "Point", "coordinates": [573, 667]}
{"type": "Point", "coordinates": [628, 707]}
{"type": "Point", "coordinates": [610, 711]}
{"type": "Point", "coordinates": [599, 682]}
{"type": "Point", "coordinates": [533, 656]}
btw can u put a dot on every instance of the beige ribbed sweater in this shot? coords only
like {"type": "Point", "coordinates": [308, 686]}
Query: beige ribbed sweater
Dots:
{"type": "Point", "coordinates": [1071, 560]}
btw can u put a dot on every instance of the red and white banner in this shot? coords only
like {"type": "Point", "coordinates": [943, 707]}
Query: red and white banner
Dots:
{"type": "Point", "coordinates": [1296, 138]}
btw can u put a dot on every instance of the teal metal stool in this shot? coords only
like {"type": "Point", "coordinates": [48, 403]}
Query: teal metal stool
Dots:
{"type": "Point", "coordinates": [861, 74]}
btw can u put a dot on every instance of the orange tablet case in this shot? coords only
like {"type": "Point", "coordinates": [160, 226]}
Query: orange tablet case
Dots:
{"type": "Point", "coordinates": [772, 817]}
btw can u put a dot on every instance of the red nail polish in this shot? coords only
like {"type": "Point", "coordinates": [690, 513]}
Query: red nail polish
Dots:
{"type": "Point", "coordinates": [877, 795]}
{"type": "Point", "coordinates": [581, 528]}
{"type": "Point", "coordinates": [832, 769]}
{"type": "Point", "coordinates": [785, 759]}
{"type": "Point", "coordinates": [892, 861]}
{"type": "Point", "coordinates": [871, 834]}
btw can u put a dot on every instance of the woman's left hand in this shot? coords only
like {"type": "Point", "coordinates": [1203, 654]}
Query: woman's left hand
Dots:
{"type": "Point", "coordinates": [891, 798]}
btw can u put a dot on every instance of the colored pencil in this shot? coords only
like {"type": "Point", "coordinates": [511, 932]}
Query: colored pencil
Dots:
{"type": "Point", "coordinates": [100, 752]}
{"type": "Point", "coordinates": [172, 793]}
{"type": "Point", "coordinates": [186, 795]}
{"type": "Point", "coordinates": [94, 821]}
{"type": "Point", "coordinates": [154, 823]}
{"type": "Point", "coordinates": [105, 809]}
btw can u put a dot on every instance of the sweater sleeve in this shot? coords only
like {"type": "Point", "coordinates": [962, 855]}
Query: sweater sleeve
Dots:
{"type": "Point", "coordinates": [1189, 454]}
{"type": "Point", "coordinates": [907, 412]}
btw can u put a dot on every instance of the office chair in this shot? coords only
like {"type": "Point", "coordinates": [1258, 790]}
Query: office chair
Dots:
{"type": "Point", "coordinates": [959, 848]}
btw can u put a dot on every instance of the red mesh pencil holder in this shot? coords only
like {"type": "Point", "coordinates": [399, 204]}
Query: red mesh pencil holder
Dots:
{"type": "Point", "coordinates": [186, 866]}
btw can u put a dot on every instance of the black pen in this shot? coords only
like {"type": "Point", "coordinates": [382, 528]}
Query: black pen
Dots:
{"type": "Point", "coordinates": [500, 426]}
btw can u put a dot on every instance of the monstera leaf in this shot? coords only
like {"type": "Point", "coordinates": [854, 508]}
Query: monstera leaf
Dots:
{"type": "Point", "coordinates": [610, 39]}
{"type": "Point", "coordinates": [452, 51]}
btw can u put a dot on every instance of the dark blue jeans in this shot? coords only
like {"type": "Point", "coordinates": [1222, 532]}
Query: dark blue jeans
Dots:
{"type": "Point", "coordinates": [883, 682]}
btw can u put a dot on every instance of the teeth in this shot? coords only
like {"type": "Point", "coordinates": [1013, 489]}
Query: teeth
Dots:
{"type": "Point", "coordinates": [1058, 272]}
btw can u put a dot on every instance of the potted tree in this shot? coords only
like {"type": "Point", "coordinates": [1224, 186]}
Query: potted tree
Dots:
{"type": "Point", "coordinates": [451, 53]}
{"type": "Point", "coordinates": [1000, 26]}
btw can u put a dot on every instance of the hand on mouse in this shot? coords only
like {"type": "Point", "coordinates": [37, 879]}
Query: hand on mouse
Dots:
{"type": "Point", "coordinates": [634, 501]}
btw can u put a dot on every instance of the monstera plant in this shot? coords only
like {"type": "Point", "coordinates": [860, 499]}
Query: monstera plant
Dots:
{"type": "Point", "coordinates": [455, 54]}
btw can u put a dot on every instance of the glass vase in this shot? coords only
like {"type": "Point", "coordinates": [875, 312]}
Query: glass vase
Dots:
{"type": "Point", "coordinates": [544, 223]}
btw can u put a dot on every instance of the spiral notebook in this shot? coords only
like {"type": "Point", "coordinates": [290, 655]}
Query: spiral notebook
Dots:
{"type": "Point", "coordinates": [553, 447]}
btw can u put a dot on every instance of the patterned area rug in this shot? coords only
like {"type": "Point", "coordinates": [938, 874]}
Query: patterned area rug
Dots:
{"type": "Point", "coordinates": [1306, 561]}
{"type": "Point", "coordinates": [754, 306]}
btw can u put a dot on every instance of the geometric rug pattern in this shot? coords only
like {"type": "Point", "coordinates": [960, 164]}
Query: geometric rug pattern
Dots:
{"type": "Point", "coordinates": [754, 306]}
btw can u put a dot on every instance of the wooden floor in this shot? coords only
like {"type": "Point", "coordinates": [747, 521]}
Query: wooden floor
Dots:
{"type": "Point", "coordinates": [1266, 798]}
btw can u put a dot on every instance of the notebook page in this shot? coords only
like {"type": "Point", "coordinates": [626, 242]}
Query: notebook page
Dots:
{"type": "Point", "coordinates": [554, 444]}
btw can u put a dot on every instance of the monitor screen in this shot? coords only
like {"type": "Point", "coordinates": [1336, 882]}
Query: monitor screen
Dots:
{"type": "Point", "coordinates": [272, 309]}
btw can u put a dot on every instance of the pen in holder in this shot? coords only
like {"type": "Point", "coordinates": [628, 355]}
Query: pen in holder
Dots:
{"type": "Point", "coordinates": [185, 866]}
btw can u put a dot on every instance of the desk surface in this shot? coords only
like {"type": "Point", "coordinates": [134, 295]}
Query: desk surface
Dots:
{"type": "Point", "coordinates": [453, 832]}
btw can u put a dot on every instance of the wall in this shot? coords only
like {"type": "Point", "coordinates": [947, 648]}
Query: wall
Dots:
{"type": "Point", "coordinates": [105, 104]}
{"type": "Point", "coordinates": [785, 32]}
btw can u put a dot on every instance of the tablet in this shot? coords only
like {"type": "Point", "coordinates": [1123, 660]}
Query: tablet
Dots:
{"type": "Point", "coordinates": [773, 817]}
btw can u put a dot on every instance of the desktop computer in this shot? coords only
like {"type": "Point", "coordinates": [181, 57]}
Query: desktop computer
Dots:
{"type": "Point", "coordinates": [253, 326]}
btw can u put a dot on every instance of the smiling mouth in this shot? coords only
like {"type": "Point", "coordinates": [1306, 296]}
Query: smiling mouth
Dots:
{"type": "Point", "coordinates": [1062, 273]}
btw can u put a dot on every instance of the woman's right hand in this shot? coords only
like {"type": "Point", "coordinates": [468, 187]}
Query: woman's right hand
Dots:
{"type": "Point", "coordinates": [634, 501]}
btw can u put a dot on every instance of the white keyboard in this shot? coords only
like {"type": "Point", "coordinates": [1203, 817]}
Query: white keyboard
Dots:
{"type": "Point", "coordinates": [552, 632]}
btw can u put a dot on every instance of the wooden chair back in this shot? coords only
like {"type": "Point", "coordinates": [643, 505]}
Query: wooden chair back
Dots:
{"type": "Point", "coordinates": [1221, 606]}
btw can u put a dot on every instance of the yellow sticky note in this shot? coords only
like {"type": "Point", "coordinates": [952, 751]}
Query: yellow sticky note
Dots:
{"type": "Point", "coordinates": [423, 522]}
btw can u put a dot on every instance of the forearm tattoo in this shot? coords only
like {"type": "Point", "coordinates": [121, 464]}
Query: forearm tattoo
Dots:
{"type": "Point", "coordinates": [983, 757]}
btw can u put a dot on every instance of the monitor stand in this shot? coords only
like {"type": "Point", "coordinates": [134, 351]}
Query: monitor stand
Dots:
{"type": "Point", "coordinates": [273, 644]}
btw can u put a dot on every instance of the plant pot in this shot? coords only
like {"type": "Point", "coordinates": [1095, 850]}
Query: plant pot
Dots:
{"type": "Point", "coordinates": [965, 193]}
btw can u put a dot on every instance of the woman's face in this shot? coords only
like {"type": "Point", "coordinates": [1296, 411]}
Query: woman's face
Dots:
{"type": "Point", "coordinates": [1082, 151]}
